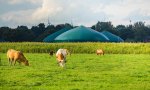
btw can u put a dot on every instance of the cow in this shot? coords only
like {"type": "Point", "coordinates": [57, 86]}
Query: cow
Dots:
{"type": "Point", "coordinates": [18, 56]}
{"type": "Point", "coordinates": [61, 57]}
{"type": "Point", "coordinates": [51, 53]}
{"type": "Point", "coordinates": [67, 52]}
{"type": "Point", "coordinates": [99, 52]}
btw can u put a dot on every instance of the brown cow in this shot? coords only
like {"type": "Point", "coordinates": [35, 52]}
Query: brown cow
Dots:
{"type": "Point", "coordinates": [18, 56]}
{"type": "Point", "coordinates": [99, 52]}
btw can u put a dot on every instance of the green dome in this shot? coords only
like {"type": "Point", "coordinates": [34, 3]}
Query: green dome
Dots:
{"type": "Point", "coordinates": [51, 37]}
{"type": "Point", "coordinates": [112, 37]}
{"type": "Point", "coordinates": [81, 34]}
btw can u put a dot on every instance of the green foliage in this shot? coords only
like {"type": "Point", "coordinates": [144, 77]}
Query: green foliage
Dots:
{"type": "Point", "coordinates": [88, 47]}
{"type": "Point", "coordinates": [137, 32]}
{"type": "Point", "coordinates": [82, 72]}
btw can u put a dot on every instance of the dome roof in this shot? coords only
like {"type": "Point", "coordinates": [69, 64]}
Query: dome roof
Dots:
{"type": "Point", "coordinates": [81, 34]}
{"type": "Point", "coordinates": [112, 37]}
{"type": "Point", "coordinates": [51, 37]}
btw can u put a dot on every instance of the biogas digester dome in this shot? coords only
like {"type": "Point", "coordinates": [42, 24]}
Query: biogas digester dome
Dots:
{"type": "Point", "coordinates": [51, 37]}
{"type": "Point", "coordinates": [112, 37]}
{"type": "Point", "coordinates": [81, 34]}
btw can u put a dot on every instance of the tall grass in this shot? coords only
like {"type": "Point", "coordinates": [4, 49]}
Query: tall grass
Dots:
{"type": "Point", "coordinates": [88, 47]}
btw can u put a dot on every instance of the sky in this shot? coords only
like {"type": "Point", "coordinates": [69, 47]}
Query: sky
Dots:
{"type": "Point", "coordinates": [14, 13]}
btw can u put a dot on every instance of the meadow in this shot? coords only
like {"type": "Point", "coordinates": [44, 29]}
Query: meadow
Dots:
{"type": "Point", "coordinates": [82, 72]}
{"type": "Point", "coordinates": [125, 66]}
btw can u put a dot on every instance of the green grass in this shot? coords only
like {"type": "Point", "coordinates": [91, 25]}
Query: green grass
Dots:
{"type": "Point", "coordinates": [86, 47]}
{"type": "Point", "coordinates": [82, 72]}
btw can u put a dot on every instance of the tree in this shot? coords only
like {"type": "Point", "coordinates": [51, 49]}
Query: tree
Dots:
{"type": "Point", "coordinates": [34, 29]}
{"type": "Point", "coordinates": [22, 28]}
{"type": "Point", "coordinates": [41, 26]}
{"type": "Point", "coordinates": [140, 31]}
{"type": "Point", "coordinates": [126, 33]}
{"type": "Point", "coordinates": [38, 30]}
{"type": "Point", "coordinates": [59, 26]}
{"type": "Point", "coordinates": [48, 30]}
{"type": "Point", "coordinates": [104, 26]}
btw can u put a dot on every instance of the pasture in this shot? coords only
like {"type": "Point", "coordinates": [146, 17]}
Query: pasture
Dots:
{"type": "Point", "coordinates": [86, 47]}
{"type": "Point", "coordinates": [82, 72]}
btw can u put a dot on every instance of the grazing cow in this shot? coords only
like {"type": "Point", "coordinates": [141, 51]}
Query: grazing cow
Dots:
{"type": "Point", "coordinates": [51, 53]}
{"type": "Point", "coordinates": [99, 52]}
{"type": "Point", "coordinates": [18, 56]}
{"type": "Point", "coordinates": [61, 57]}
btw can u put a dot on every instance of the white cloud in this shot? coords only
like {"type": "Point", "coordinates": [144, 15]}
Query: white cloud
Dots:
{"type": "Point", "coordinates": [21, 1]}
{"type": "Point", "coordinates": [86, 12]}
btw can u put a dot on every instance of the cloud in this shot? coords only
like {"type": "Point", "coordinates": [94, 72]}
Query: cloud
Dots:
{"type": "Point", "coordinates": [85, 12]}
{"type": "Point", "coordinates": [21, 1]}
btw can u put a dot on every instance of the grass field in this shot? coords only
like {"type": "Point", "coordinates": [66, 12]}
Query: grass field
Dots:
{"type": "Point", "coordinates": [82, 72]}
{"type": "Point", "coordinates": [86, 47]}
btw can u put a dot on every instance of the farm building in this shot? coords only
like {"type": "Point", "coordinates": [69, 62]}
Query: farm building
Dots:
{"type": "Point", "coordinates": [51, 37]}
{"type": "Point", "coordinates": [112, 37]}
{"type": "Point", "coordinates": [79, 34]}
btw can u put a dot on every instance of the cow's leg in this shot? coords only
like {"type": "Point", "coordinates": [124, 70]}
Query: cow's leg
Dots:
{"type": "Point", "coordinates": [19, 63]}
{"type": "Point", "coordinates": [62, 64]}
{"type": "Point", "coordinates": [9, 61]}
{"type": "Point", "coordinates": [14, 62]}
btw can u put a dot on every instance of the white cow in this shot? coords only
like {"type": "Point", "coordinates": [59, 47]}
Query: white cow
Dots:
{"type": "Point", "coordinates": [61, 56]}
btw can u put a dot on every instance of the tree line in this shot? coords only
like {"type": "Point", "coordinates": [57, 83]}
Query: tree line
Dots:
{"type": "Point", "coordinates": [138, 32]}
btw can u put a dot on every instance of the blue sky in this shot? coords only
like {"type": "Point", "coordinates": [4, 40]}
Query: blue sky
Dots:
{"type": "Point", "coordinates": [79, 12]}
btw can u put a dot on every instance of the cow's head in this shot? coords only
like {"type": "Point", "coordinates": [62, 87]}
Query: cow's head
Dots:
{"type": "Point", "coordinates": [26, 63]}
{"type": "Point", "coordinates": [61, 59]}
